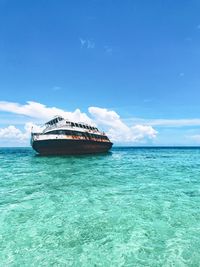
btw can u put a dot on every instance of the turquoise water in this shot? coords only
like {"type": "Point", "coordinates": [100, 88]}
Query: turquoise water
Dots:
{"type": "Point", "coordinates": [130, 207]}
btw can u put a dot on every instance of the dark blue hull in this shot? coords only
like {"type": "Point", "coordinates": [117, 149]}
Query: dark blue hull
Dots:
{"type": "Point", "coordinates": [70, 147]}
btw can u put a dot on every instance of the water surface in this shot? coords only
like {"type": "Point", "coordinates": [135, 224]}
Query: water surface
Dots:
{"type": "Point", "coordinates": [130, 207]}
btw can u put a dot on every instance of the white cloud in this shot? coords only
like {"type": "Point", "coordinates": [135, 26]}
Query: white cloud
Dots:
{"type": "Point", "coordinates": [118, 130]}
{"type": "Point", "coordinates": [83, 42]}
{"type": "Point", "coordinates": [42, 112]}
{"type": "Point", "coordinates": [90, 44]}
{"type": "Point", "coordinates": [11, 133]}
{"type": "Point", "coordinates": [166, 122]}
{"type": "Point", "coordinates": [108, 50]}
{"type": "Point", "coordinates": [142, 131]}
{"type": "Point", "coordinates": [56, 88]}
{"type": "Point", "coordinates": [109, 120]}
{"type": "Point", "coordinates": [176, 122]}
{"type": "Point", "coordinates": [195, 138]}
{"type": "Point", "coordinates": [106, 117]}
{"type": "Point", "coordinates": [87, 43]}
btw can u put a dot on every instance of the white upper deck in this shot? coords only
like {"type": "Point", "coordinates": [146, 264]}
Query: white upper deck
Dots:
{"type": "Point", "coordinates": [60, 123]}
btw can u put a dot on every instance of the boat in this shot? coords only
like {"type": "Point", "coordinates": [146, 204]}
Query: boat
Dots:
{"type": "Point", "coordinates": [64, 137]}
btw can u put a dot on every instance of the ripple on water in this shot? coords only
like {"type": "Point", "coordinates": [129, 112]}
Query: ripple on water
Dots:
{"type": "Point", "coordinates": [131, 207]}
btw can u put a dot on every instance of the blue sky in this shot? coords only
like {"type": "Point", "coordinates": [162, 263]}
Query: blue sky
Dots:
{"type": "Point", "coordinates": [140, 59]}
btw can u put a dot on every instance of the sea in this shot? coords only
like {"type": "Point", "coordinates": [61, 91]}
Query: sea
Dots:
{"type": "Point", "coordinates": [130, 207]}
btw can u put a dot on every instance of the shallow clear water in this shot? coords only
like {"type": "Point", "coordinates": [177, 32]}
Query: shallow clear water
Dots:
{"type": "Point", "coordinates": [130, 207]}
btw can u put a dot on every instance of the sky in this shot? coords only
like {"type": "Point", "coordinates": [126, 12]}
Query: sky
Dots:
{"type": "Point", "coordinates": [131, 67]}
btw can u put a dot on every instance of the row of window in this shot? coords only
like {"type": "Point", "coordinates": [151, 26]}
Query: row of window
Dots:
{"type": "Point", "coordinates": [54, 121]}
{"type": "Point", "coordinates": [75, 133]}
{"type": "Point", "coordinates": [73, 124]}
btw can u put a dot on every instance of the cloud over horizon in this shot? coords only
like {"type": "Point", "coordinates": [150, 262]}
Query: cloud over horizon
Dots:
{"type": "Point", "coordinates": [39, 111]}
{"type": "Point", "coordinates": [11, 133]}
{"type": "Point", "coordinates": [118, 130]}
{"type": "Point", "coordinates": [108, 120]}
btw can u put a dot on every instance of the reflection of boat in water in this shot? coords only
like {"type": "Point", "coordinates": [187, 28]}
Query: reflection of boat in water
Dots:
{"type": "Point", "coordinates": [64, 137]}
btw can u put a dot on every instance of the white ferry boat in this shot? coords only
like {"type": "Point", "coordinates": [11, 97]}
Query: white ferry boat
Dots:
{"type": "Point", "coordinates": [63, 137]}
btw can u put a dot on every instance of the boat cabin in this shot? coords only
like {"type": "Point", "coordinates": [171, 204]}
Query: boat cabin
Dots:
{"type": "Point", "coordinates": [58, 119]}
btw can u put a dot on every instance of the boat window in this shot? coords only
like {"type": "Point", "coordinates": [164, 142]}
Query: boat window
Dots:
{"type": "Point", "coordinates": [84, 126]}
{"type": "Point", "coordinates": [79, 134]}
{"type": "Point", "coordinates": [61, 132]}
{"type": "Point", "coordinates": [56, 132]}
{"type": "Point", "coordinates": [72, 124]}
{"type": "Point", "coordinates": [52, 132]}
{"type": "Point", "coordinates": [67, 132]}
{"type": "Point", "coordinates": [80, 125]}
{"type": "Point", "coordinates": [76, 124]}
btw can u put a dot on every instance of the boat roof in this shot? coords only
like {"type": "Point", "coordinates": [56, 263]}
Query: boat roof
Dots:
{"type": "Point", "coordinates": [56, 119]}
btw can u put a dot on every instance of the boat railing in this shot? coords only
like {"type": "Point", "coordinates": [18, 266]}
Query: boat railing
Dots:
{"type": "Point", "coordinates": [55, 126]}
{"type": "Point", "coordinates": [39, 136]}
